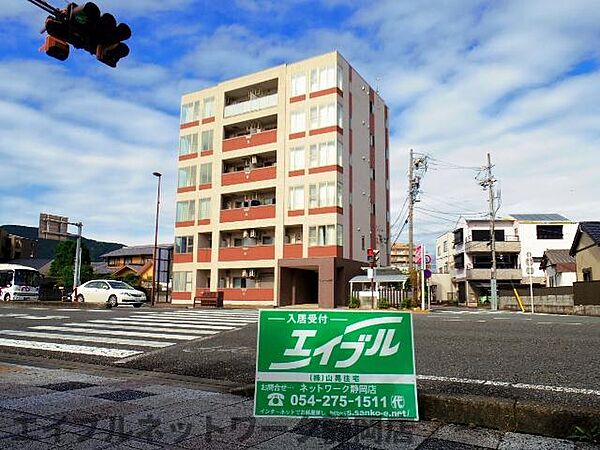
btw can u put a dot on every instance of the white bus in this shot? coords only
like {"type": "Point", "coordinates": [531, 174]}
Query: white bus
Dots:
{"type": "Point", "coordinates": [19, 282]}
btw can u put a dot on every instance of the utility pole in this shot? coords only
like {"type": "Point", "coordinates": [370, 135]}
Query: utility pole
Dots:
{"type": "Point", "coordinates": [488, 182]}
{"type": "Point", "coordinates": [411, 243]}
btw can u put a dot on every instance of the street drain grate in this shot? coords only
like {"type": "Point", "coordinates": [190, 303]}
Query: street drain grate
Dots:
{"type": "Point", "coordinates": [68, 386]}
{"type": "Point", "coordinates": [124, 395]}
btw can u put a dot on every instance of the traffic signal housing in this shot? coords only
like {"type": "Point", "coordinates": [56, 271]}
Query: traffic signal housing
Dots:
{"type": "Point", "coordinates": [83, 26]}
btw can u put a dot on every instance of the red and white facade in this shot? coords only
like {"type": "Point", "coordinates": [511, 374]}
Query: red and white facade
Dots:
{"type": "Point", "coordinates": [281, 173]}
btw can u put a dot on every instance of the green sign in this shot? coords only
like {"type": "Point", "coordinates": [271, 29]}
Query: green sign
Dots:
{"type": "Point", "coordinates": [329, 363]}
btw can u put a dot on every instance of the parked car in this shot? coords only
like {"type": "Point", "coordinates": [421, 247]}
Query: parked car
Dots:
{"type": "Point", "coordinates": [110, 292]}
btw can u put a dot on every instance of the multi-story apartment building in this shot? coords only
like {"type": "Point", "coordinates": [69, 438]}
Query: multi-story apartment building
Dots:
{"type": "Point", "coordinates": [399, 256]}
{"type": "Point", "coordinates": [517, 235]}
{"type": "Point", "coordinates": [283, 185]}
{"type": "Point", "coordinates": [444, 253]}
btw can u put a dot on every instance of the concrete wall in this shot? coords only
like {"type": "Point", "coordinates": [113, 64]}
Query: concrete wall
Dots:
{"type": "Point", "coordinates": [547, 300]}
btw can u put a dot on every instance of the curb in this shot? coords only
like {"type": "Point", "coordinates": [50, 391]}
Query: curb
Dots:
{"type": "Point", "coordinates": [497, 413]}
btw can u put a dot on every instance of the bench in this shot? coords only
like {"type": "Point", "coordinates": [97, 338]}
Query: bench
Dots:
{"type": "Point", "coordinates": [212, 299]}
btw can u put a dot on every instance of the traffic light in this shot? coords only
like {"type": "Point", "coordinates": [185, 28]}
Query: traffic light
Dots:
{"type": "Point", "coordinates": [83, 26]}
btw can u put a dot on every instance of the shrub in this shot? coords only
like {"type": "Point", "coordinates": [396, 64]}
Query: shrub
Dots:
{"type": "Point", "coordinates": [383, 303]}
{"type": "Point", "coordinates": [354, 302]}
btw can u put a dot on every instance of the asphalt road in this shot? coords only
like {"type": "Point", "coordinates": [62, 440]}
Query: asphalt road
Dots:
{"type": "Point", "coordinates": [547, 358]}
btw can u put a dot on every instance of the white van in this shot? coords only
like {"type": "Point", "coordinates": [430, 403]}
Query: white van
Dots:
{"type": "Point", "coordinates": [19, 282]}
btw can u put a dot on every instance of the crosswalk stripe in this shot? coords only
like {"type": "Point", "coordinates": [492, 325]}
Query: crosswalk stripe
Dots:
{"type": "Point", "coordinates": [68, 348]}
{"type": "Point", "coordinates": [164, 324]}
{"type": "Point", "coordinates": [122, 332]}
{"type": "Point", "coordinates": [80, 337]}
{"type": "Point", "coordinates": [146, 328]}
{"type": "Point", "coordinates": [238, 323]}
{"type": "Point", "coordinates": [196, 314]}
{"type": "Point", "coordinates": [199, 316]}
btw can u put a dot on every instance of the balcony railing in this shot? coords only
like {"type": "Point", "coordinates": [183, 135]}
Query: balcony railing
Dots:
{"type": "Point", "coordinates": [247, 253]}
{"type": "Point", "coordinates": [501, 274]}
{"type": "Point", "coordinates": [509, 245]}
{"type": "Point", "coordinates": [250, 140]}
{"type": "Point", "coordinates": [268, 101]}
{"type": "Point", "coordinates": [248, 176]}
{"type": "Point", "coordinates": [250, 213]}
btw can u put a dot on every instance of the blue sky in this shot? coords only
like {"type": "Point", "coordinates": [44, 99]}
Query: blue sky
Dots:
{"type": "Point", "coordinates": [462, 78]}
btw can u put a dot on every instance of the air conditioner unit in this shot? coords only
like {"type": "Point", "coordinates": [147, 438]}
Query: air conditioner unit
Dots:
{"type": "Point", "coordinates": [252, 233]}
{"type": "Point", "coordinates": [244, 273]}
{"type": "Point", "coordinates": [254, 160]}
{"type": "Point", "coordinates": [245, 234]}
{"type": "Point", "coordinates": [251, 273]}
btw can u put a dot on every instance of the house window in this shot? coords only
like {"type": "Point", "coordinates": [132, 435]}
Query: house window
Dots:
{"type": "Point", "coordinates": [362, 242]}
{"type": "Point", "coordinates": [184, 244]}
{"type": "Point", "coordinates": [185, 211]}
{"type": "Point", "coordinates": [587, 274]}
{"type": "Point", "coordinates": [297, 121]}
{"type": "Point", "coordinates": [182, 281]}
{"type": "Point", "coordinates": [323, 115]}
{"type": "Point", "coordinates": [323, 235]}
{"type": "Point", "coordinates": [188, 144]}
{"type": "Point", "coordinates": [325, 154]}
{"type": "Point", "coordinates": [298, 84]}
{"type": "Point", "coordinates": [296, 158]}
{"type": "Point", "coordinates": [204, 208]}
{"type": "Point", "coordinates": [206, 140]}
{"type": "Point", "coordinates": [549, 231]}
{"type": "Point", "coordinates": [322, 78]}
{"type": "Point", "coordinates": [208, 107]}
{"type": "Point", "coordinates": [189, 112]}
{"type": "Point", "coordinates": [445, 246]}
{"type": "Point", "coordinates": [296, 198]}
{"type": "Point", "coordinates": [206, 173]}
{"type": "Point", "coordinates": [186, 176]}
{"type": "Point", "coordinates": [128, 260]}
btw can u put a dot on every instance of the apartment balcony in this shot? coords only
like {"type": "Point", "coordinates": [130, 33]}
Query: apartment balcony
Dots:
{"type": "Point", "coordinates": [292, 250]}
{"type": "Point", "coordinates": [203, 255]}
{"type": "Point", "coordinates": [252, 98]}
{"type": "Point", "coordinates": [501, 274]}
{"type": "Point", "coordinates": [255, 205]}
{"type": "Point", "coordinates": [247, 253]}
{"type": "Point", "coordinates": [250, 133]}
{"type": "Point", "coordinates": [506, 246]}
{"type": "Point", "coordinates": [249, 213]}
{"type": "Point", "coordinates": [249, 169]}
{"type": "Point", "coordinates": [268, 101]}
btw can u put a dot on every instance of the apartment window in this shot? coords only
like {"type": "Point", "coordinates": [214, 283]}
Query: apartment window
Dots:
{"type": "Point", "coordinates": [206, 173]}
{"type": "Point", "coordinates": [185, 211]}
{"type": "Point", "coordinates": [322, 78]}
{"type": "Point", "coordinates": [189, 112]}
{"type": "Point", "coordinates": [340, 194]}
{"type": "Point", "coordinates": [186, 176]}
{"type": "Point", "coordinates": [323, 115]}
{"type": "Point", "coordinates": [324, 194]}
{"type": "Point", "coordinates": [340, 77]}
{"type": "Point", "coordinates": [204, 208]}
{"type": "Point", "coordinates": [296, 158]}
{"type": "Point", "coordinates": [372, 140]}
{"type": "Point", "coordinates": [340, 235]}
{"type": "Point", "coordinates": [326, 154]}
{"type": "Point", "coordinates": [549, 231]}
{"type": "Point", "coordinates": [182, 281]}
{"type": "Point", "coordinates": [298, 84]}
{"type": "Point", "coordinates": [445, 246]}
{"type": "Point", "coordinates": [297, 121]}
{"type": "Point", "coordinates": [362, 242]}
{"type": "Point", "coordinates": [207, 140]}
{"type": "Point", "coordinates": [322, 235]}
{"type": "Point", "coordinates": [340, 116]}
{"type": "Point", "coordinates": [188, 144]}
{"type": "Point", "coordinates": [208, 107]}
{"type": "Point", "coordinates": [296, 198]}
{"type": "Point", "coordinates": [184, 244]}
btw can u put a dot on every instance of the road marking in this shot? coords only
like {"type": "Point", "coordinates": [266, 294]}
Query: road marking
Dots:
{"type": "Point", "coordinates": [180, 319]}
{"type": "Point", "coordinates": [81, 337]}
{"type": "Point", "coordinates": [546, 323]}
{"type": "Point", "coordinates": [164, 324]}
{"type": "Point", "coordinates": [453, 320]}
{"type": "Point", "coordinates": [137, 328]}
{"type": "Point", "coordinates": [501, 318]}
{"type": "Point", "coordinates": [482, 321]}
{"type": "Point", "coordinates": [177, 337]}
{"type": "Point", "coordinates": [198, 317]}
{"type": "Point", "coordinates": [68, 348]}
{"type": "Point", "coordinates": [537, 387]}
{"type": "Point", "coordinates": [573, 323]}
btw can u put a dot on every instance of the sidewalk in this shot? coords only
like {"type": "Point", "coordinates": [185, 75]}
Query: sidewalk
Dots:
{"type": "Point", "coordinates": [43, 408]}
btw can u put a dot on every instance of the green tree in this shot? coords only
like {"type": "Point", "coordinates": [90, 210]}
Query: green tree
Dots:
{"type": "Point", "coordinates": [64, 260]}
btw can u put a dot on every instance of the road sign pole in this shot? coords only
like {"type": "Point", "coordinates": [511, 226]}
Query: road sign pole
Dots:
{"type": "Point", "coordinates": [529, 262]}
{"type": "Point", "coordinates": [531, 290]}
{"type": "Point", "coordinates": [423, 266]}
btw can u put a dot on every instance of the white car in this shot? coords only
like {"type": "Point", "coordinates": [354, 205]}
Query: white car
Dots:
{"type": "Point", "coordinates": [110, 292]}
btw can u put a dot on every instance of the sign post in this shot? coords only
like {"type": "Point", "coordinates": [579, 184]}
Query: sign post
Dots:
{"type": "Point", "coordinates": [529, 262]}
{"type": "Point", "coordinates": [328, 363]}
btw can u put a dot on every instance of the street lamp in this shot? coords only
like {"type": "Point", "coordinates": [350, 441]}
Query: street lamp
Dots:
{"type": "Point", "coordinates": [154, 255]}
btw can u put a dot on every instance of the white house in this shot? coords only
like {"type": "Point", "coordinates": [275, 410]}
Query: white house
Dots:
{"type": "Point", "coordinates": [538, 233]}
{"type": "Point", "coordinates": [559, 267]}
